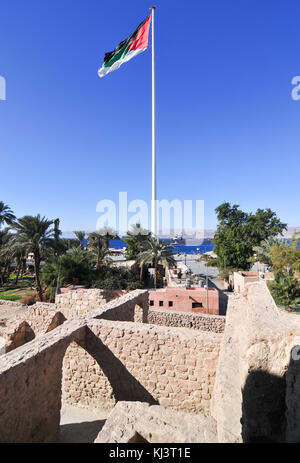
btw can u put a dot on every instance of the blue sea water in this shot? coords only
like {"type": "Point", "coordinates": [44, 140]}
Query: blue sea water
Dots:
{"type": "Point", "coordinates": [177, 248]}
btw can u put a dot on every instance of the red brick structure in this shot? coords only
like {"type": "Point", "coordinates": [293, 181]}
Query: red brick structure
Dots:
{"type": "Point", "coordinates": [185, 299]}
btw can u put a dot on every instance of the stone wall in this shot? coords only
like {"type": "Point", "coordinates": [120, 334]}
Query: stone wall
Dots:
{"type": "Point", "coordinates": [173, 367]}
{"type": "Point", "coordinates": [12, 303]}
{"type": "Point", "coordinates": [254, 398]}
{"type": "Point", "coordinates": [214, 323]}
{"type": "Point", "coordinates": [39, 319]}
{"type": "Point", "coordinates": [31, 376]}
{"type": "Point", "coordinates": [30, 386]}
{"type": "Point", "coordinates": [244, 377]}
{"type": "Point", "coordinates": [74, 303]}
{"type": "Point", "coordinates": [138, 422]}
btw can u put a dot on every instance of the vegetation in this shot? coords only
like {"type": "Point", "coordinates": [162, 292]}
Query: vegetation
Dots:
{"type": "Point", "coordinates": [263, 251]}
{"type": "Point", "coordinates": [80, 235]}
{"type": "Point", "coordinates": [107, 234]}
{"type": "Point", "coordinates": [285, 289]}
{"type": "Point", "coordinates": [6, 214]}
{"type": "Point", "coordinates": [9, 297]}
{"type": "Point", "coordinates": [240, 238]}
{"type": "Point", "coordinates": [95, 243]}
{"type": "Point", "coordinates": [74, 267]}
{"type": "Point", "coordinates": [109, 278]}
{"type": "Point", "coordinates": [34, 234]}
{"type": "Point", "coordinates": [136, 239]}
{"type": "Point", "coordinates": [58, 261]}
{"type": "Point", "coordinates": [154, 253]}
{"type": "Point", "coordinates": [238, 233]}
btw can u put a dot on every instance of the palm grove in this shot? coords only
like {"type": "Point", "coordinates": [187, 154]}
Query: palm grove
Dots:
{"type": "Point", "coordinates": [59, 261]}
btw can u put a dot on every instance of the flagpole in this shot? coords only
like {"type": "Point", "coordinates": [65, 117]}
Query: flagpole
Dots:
{"type": "Point", "coordinates": [153, 202]}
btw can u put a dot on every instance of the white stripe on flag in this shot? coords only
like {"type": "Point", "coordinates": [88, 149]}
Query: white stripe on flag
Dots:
{"type": "Point", "coordinates": [131, 54]}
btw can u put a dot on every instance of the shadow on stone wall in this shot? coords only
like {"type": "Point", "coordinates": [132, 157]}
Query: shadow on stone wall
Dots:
{"type": "Point", "coordinates": [263, 408]}
{"type": "Point", "coordinates": [57, 320]}
{"type": "Point", "coordinates": [23, 334]}
{"type": "Point", "coordinates": [125, 386]}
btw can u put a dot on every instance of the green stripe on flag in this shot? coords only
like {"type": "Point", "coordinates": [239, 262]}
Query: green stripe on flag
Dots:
{"type": "Point", "coordinates": [117, 56]}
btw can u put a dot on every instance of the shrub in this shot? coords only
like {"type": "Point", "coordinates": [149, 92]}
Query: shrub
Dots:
{"type": "Point", "coordinates": [29, 300]}
{"type": "Point", "coordinates": [116, 278]}
{"type": "Point", "coordinates": [72, 268]}
{"type": "Point", "coordinates": [285, 289]}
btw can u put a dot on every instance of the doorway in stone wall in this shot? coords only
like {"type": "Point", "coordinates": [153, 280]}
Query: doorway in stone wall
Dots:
{"type": "Point", "coordinates": [87, 397]}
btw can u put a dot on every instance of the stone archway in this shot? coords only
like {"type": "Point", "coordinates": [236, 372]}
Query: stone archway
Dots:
{"type": "Point", "coordinates": [87, 396]}
{"type": "Point", "coordinates": [84, 383]}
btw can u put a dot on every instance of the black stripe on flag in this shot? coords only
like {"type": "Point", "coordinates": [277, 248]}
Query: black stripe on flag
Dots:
{"type": "Point", "coordinates": [110, 54]}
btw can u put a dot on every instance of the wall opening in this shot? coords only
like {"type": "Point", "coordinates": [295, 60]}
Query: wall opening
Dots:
{"type": "Point", "coordinates": [87, 397]}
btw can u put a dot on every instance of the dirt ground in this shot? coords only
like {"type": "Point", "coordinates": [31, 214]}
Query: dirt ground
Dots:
{"type": "Point", "coordinates": [79, 425]}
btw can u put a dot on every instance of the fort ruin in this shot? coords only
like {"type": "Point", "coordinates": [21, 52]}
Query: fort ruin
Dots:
{"type": "Point", "coordinates": [162, 376]}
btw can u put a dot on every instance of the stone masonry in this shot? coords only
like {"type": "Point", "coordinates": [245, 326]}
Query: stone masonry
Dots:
{"type": "Point", "coordinates": [79, 301]}
{"type": "Point", "coordinates": [174, 367]}
{"type": "Point", "coordinates": [38, 319]}
{"type": "Point", "coordinates": [137, 422]}
{"type": "Point", "coordinates": [240, 385]}
{"type": "Point", "coordinates": [213, 323]}
{"type": "Point", "coordinates": [255, 396]}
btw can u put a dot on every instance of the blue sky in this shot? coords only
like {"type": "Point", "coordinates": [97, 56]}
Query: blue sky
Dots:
{"type": "Point", "coordinates": [227, 127]}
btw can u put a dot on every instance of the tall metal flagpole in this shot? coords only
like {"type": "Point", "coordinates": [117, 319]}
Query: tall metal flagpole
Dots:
{"type": "Point", "coordinates": [153, 202]}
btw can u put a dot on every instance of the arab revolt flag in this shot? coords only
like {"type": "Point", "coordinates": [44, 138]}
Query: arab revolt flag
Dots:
{"type": "Point", "coordinates": [127, 49]}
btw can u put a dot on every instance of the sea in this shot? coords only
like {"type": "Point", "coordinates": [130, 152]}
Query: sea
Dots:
{"type": "Point", "coordinates": [181, 247]}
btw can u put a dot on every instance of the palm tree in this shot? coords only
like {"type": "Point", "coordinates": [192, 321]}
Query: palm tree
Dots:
{"type": "Point", "coordinates": [100, 255]}
{"type": "Point", "coordinates": [6, 214]}
{"type": "Point", "coordinates": [135, 240]}
{"type": "Point", "coordinates": [34, 234]}
{"type": "Point", "coordinates": [107, 234]}
{"type": "Point", "coordinates": [263, 251]}
{"type": "Point", "coordinates": [80, 236]}
{"type": "Point", "coordinates": [95, 240]}
{"type": "Point", "coordinates": [18, 252]}
{"type": "Point", "coordinates": [11, 250]}
{"type": "Point", "coordinates": [5, 252]}
{"type": "Point", "coordinates": [155, 253]}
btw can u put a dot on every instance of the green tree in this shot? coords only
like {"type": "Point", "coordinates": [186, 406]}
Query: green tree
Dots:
{"type": "Point", "coordinates": [107, 234]}
{"type": "Point", "coordinates": [263, 251]}
{"type": "Point", "coordinates": [59, 245]}
{"type": "Point", "coordinates": [285, 255]}
{"type": "Point", "coordinates": [135, 240]}
{"type": "Point", "coordinates": [74, 267]}
{"type": "Point", "coordinates": [17, 251]}
{"type": "Point", "coordinates": [95, 243]}
{"type": "Point", "coordinates": [80, 236]}
{"type": "Point", "coordinates": [285, 289]}
{"type": "Point", "coordinates": [239, 232]}
{"type": "Point", "coordinates": [111, 278]}
{"type": "Point", "coordinates": [5, 253]}
{"type": "Point", "coordinates": [36, 236]}
{"type": "Point", "coordinates": [155, 253]}
{"type": "Point", "coordinates": [6, 214]}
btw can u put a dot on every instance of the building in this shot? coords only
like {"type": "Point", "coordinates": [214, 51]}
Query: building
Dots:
{"type": "Point", "coordinates": [239, 280]}
{"type": "Point", "coordinates": [184, 299]}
